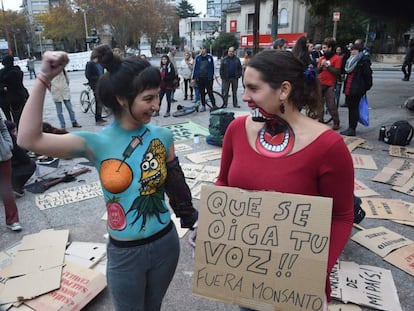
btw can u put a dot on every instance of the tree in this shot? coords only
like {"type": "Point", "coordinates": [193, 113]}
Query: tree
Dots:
{"type": "Point", "coordinates": [223, 42]}
{"type": "Point", "coordinates": [17, 27]}
{"type": "Point", "coordinates": [186, 9]}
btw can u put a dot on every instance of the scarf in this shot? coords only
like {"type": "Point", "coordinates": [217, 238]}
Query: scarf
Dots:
{"type": "Point", "coordinates": [352, 62]}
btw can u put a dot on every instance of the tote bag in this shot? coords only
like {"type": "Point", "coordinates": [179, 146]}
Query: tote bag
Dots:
{"type": "Point", "coordinates": [364, 111]}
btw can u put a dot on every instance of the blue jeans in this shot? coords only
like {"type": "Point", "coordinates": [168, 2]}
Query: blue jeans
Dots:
{"type": "Point", "coordinates": [168, 94]}
{"type": "Point", "coordinates": [138, 277]}
{"type": "Point", "coordinates": [59, 111]}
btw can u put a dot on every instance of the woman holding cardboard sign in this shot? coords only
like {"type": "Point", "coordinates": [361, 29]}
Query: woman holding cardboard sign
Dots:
{"type": "Point", "coordinates": [287, 151]}
{"type": "Point", "coordinates": [137, 165]}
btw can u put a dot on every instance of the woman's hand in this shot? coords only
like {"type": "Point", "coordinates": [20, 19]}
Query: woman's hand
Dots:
{"type": "Point", "coordinates": [53, 63]}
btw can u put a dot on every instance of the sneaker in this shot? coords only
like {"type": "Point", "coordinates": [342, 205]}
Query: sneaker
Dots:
{"type": "Point", "coordinates": [336, 126]}
{"type": "Point", "coordinates": [236, 106]}
{"type": "Point", "coordinates": [202, 109]}
{"type": "Point", "coordinates": [76, 124]}
{"type": "Point", "coordinates": [166, 115]}
{"type": "Point", "coordinates": [173, 100]}
{"type": "Point", "coordinates": [15, 227]}
{"type": "Point", "coordinates": [19, 193]}
{"type": "Point", "coordinates": [348, 132]}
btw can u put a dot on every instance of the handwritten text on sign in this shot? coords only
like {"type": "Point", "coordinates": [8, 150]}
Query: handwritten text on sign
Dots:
{"type": "Point", "coordinates": [261, 249]}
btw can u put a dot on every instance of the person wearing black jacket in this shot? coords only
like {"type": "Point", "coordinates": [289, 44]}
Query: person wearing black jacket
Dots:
{"type": "Point", "coordinates": [93, 72]}
{"type": "Point", "coordinates": [168, 74]}
{"type": "Point", "coordinates": [358, 81]}
{"type": "Point", "coordinates": [408, 61]}
{"type": "Point", "coordinates": [12, 91]}
{"type": "Point", "coordinates": [230, 72]}
{"type": "Point", "coordinates": [23, 166]}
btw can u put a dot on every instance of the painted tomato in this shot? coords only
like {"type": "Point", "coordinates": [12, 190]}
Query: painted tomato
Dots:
{"type": "Point", "coordinates": [116, 216]}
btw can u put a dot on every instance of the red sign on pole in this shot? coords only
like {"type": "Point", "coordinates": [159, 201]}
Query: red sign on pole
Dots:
{"type": "Point", "coordinates": [336, 16]}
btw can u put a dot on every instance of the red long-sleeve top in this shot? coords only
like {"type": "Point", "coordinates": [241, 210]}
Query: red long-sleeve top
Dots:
{"type": "Point", "coordinates": [323, 168]}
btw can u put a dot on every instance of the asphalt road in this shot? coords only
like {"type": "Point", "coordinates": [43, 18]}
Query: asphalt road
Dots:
{"type": "Point", "coordinates": [83, 219]}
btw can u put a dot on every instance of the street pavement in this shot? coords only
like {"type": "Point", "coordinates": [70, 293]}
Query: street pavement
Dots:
{"type": "Point", "coordinates": [83, 219]}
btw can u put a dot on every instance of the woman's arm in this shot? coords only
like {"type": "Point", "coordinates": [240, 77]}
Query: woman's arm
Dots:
{"type": "Point", "coordinates": [30, 131]}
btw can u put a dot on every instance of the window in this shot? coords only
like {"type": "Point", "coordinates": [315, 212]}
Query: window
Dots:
{"type": "Point", "coordinates": [250, 19]}
{"type": "Point", "coordinates": [283, 18]}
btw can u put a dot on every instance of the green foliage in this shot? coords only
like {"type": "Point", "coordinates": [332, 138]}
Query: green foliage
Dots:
{"type": "Point", "coordinates": [223, 42]}
{"type": "Point", "coordinates": [186, 9]}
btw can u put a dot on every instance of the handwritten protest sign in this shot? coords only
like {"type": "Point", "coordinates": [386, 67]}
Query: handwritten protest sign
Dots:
{"type": "Point", "coordinates": [396, 173]}
{"type": "Point", "coordinates": [403, 258]}
{"type": "Point", "coordinates": [186, 130]}
{"type": "Point", "coordinates": [364, 161]}
{"type": "Point", "coordinates": [407, 188]}
{"type": "Point", "coordinates": [383, 208]}
{"type": "Point", "coordinates": [367, 285]}
{"type": "Point", "coordinates": [262, 249]}
{"type": "Point", "coordinates": [362, 190]}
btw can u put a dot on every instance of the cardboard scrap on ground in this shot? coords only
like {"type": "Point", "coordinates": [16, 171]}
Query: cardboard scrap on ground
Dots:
{"type": "Point", "coordinates": [396, 173]}
{"type": "Point", "coordinates": [200, 172]}
{"type": "Point", "coordinates": [186, 130]}
{"type": "Point", "coordinates": [407, 188]}
{"type": "Point", "coordinates": [68, 195]}
{"type": "Point", "coordinates": [380, 240]}
{"type": "Point", "coordinates": [181, 147]}
{"type": "Point", "coordinates": [88, 255]}
{"type": "Point", "coordinates": [410, 208]}
{"type": "Point", "coordinates": [402, 152]}
{"type": "Point", "coordinates": [364, 161]}
{"type": "Point", "coordinates": [403, 258]}
{"type": "Point", "coordinates": [365, 285]}
{"type": "Point", "coordinates": [383, 208]}
{"type": "Point", "coordinates": [253, 245]}
{"type": "Point", "coordinates": [361, 190]}
{"type": "Point", "coordinates": [78, 286]}
{"type": "Point", "coordinates": [344, 307]}
{"type": "Point", "coordinates": [36, 269]}
{"type": "Point", "coordinates": [205, 156]}
{"type": "Point", "coordinates": [353, 142]}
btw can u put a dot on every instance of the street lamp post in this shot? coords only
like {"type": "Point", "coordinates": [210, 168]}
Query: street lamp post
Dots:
{"type": "Point", "coordinates": [86, 28]}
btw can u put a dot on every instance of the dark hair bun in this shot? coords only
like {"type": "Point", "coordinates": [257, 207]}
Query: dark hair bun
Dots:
{"type": "Point", "coordinates": [106, 57]}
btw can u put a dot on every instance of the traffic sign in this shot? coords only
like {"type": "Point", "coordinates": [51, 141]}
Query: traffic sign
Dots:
{"type": "Point", "coordinates": [336, 16]}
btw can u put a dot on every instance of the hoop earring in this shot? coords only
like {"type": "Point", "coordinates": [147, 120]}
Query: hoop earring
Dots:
{"type": "Point", "coordinates": [282, 108]}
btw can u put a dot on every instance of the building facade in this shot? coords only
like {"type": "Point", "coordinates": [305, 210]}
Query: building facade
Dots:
{"type": "Point", "coordinates": [195, 30]}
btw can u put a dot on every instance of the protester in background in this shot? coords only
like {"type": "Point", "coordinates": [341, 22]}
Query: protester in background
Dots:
{"type": "Point", "coordinates": [118, 52]}
{"type": "Point", "coordinates": [301, 51]}
{"type": "Point", "coordinates": [230, 73]}
{"type": "Point", "coordinates": [203, 75]}
{"type": "Point", "coordinates": [137, 165]}
{"type": "Point", "coordinates": [329, 67]}
{"type": "Point", "coordinates": [408, 61]}
{"type": "Point", "coordinates": [247, 57]}
{"type": "Point", "coordinates": [358, 81]}
{"type": "Point", "coordinates": [316, 54]}
{"type": "Point", "coordinates": [286, 151]}
{"type": "Point", "coordinates": [61, 94]}
{"type": "Point", "coordinates": [13, 90]}
{"type": "Point", "coordinates": [31, 67]}
{"type": "Point", "coordinates": [341, 76]}
{"type": "Point", "coordinates": [23, 166]}
{"type": "Point", "coordinates": [166, 87]}
{"type": "Point", "coordinates": [280, 44]}
{"type": "Point", "coordinates": [186, 70]}
{"type": "Point", "coordinates": [171, 56]}
{"type": "Point", "coordinates": [6, 189]}
{"type": "Point", "coordinates": [93, 72]}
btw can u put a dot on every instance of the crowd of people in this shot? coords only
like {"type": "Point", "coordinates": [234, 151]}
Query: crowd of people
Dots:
{"type": "Point", "coordinates": [278, 85]}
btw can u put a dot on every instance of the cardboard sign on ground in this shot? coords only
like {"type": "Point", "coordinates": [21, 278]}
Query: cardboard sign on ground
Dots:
{"type": "Point", "coordinates": [403, 258]}
{"type": "Point", "coordinates": [407, 188]}
{"type": "Point", "coordinates": [382, 208]}
{"type": "Point", "coordinates": [410, 208]}
{"type": "Point", "coordinates": [68, 195]}
{"type": "Point", "coordinates": [259, 249]}
{"type": "Point", "coordinates": [361, 190]}
{"type": "Point", "coordinates": [186, 130]}
{"type": "Point", "coordinates": [353, 142]}
{"type": "Point", "coordinates": [205, 156]}
{"type": "Point", "coordinates": [380, 240]}
{"type": "Point", "coordinates": [364, 161]}
{"type": "Point", "coordinates": [78, 286]}
{"type": "Point", "coordinates": [367, 285]}
{"type": "Point", "coordinates": [402, 152]}
{"type": "Point", "coordinates": [182, 147]}
{"type": "Point", "coordinates": [37, 267]}
{"type": "Point", "coordinates": [88, 255]}
{"type": "Point", "coordinates": [396, 173]}
{"type": "Point", "coordinates": [344, 307]}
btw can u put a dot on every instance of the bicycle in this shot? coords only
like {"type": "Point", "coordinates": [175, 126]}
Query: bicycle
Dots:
{"type": "Point", "coordinates": [87, 100]}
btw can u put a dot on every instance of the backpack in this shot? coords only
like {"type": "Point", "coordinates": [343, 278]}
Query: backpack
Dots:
{"type": "Point", "coordinates": [218, 122]}
{"type": "Point", "coordinates": [400, 133]}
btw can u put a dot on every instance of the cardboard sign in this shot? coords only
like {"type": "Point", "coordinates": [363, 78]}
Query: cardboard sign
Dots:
{"type": "Point", "coordinates": [186, 130]}
{"type": "Point", "coordinates": [407, 188]}
{"type": "Point", "coordinates": [68, 195]}
{"type": "Point", "coordinates": [205, 156]}
{"type": "Point", "coordinates": [261, 249]}
{"type": "Point", "coordinates": [402, 152]}
{"type": "Point", "coordinates": [410, 208]}
{"type": "Point", "coordinates": [78, 286]}
{"type": "Point", "coordinates": [353, 142]}
{"type": "Point", "coordinates": [385, 209]}
{"type": "Point", "coordinates": [403, 258]}
{"type": "Point", "coordinates": [367, 285]}
{"type": "Point", "coordinates": [364, 161]}
{"type": "Point", "coordinates": [201, 172]}
{"type": "Point", "coordinates": [344, 307]}
{"type": "Point", "coordinates": [396, 173]}
{"type": "Point", "coordinates": [182, 148]}
{"type": "Point", "coordinates": [380, 240]}
{"type": "Point", "coordinates": [361, 190]}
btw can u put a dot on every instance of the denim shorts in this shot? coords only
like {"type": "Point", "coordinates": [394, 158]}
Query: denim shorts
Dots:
{"type": "Point", "coordinates": [139, 276]}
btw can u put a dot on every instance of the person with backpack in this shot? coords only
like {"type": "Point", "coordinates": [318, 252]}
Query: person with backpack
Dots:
{"type": "Point", "coordinates": [357, 82]}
